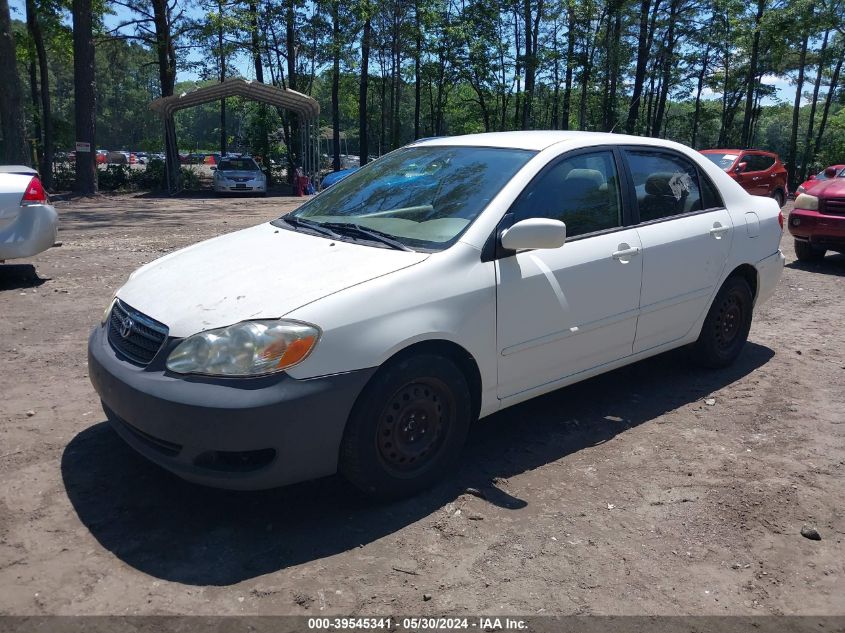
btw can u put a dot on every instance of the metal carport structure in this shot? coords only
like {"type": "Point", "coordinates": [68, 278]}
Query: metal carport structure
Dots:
{"type": "Point", "coordinates": [304, 106]}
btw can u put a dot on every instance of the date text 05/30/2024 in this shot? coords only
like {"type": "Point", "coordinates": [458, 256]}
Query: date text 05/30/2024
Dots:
{"type": "Point", "coordinates": [417, 624]}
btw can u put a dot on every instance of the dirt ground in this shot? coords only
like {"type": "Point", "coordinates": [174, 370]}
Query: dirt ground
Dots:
{"type": "Point", "coordinates": [656, 489]}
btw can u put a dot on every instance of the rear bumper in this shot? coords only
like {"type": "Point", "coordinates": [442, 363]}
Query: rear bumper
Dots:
{"type": "Point", "coordinates": [826, 231]}
{"type": "Point", "coordinates": [33, 231]}
{"type": "Point", "coordinates": [769, 271]}
{"type": "Point", "coordinates": [245, 434]}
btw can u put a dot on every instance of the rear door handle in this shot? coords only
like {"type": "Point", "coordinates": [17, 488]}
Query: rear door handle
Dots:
{"type": "Point", "coordinates": [625, 253]}
{"type": "Point", "coordinates": [718, 230]}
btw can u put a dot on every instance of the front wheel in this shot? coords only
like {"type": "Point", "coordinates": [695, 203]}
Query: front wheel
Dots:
{"type": "Point", "coordinates": [726, 326]}
{"type": "Point", "coordinates": [407, 428]}
{"type": "Point", "coordinates": [806, 252]}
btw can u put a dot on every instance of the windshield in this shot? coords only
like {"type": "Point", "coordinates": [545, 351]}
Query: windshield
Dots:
{"type": "Point", "coordinates": [422, 197]}
{"type": "Point", "coordinates": [238, 164]}
{"type": "Point", "coordinates": [724, 161]}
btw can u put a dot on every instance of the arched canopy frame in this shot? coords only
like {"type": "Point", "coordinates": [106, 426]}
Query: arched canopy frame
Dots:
{"type": "Point", "coordinates": [307, 108]}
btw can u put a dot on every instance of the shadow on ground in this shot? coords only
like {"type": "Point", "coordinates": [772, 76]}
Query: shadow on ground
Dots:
{"type": "Point", "coordinates": [184, 533]}
{"type": "Point", "coordinates": [19, 276]}
{"type": "Point", "coordinates": [832, 264]}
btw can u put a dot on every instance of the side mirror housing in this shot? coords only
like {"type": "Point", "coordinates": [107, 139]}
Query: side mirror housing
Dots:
{"type": "Point", "coordinates": [534, 233]}
{"type": "Point", "coordinates": [811, 177]}
{"type": "Point", "coordinates": [830, 172]}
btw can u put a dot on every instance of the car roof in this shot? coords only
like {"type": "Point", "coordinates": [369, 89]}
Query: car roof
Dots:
{"type": "Point", "coordinates": [537, 139]}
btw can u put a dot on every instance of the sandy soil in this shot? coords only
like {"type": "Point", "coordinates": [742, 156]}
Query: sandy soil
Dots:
{"type": "Point", "coordinates": [632, 493]}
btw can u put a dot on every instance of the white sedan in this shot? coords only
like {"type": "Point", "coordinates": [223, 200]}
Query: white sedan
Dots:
{"type": "Point", "coordinates": [28, 222]}
{"type": "Point", "coordinates": [239, 175]}
{"type": "Point", "coordinates": [368, 330]}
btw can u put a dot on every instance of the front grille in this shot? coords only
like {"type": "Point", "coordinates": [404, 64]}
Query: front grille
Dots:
{"type": "Point", "coordinates": [832, 205]}
{"type": "Point", "coordinates": [135, 335]}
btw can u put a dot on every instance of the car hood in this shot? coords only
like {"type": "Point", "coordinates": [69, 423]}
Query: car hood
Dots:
{"type": "Point", "coordinates": [239, 173]}
{"type": "Point", "coordinates": [832, 188]}
{"type": "Point", "coordinates": [261, 272]}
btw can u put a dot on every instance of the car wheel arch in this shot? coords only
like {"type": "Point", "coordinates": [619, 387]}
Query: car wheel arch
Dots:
{"type": "Point", "coordinates": [750, 274]}
{"type": "Point", "coordinates": [459, 355]}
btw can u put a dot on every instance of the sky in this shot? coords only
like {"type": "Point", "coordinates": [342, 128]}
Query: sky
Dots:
{"type": "Point", "coordinates": [784, 91]}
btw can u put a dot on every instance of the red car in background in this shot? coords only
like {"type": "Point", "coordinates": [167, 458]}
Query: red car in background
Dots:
{"type": "Point", "coordinates": [818, 220]}
{"type": "Point", "coordinates": [759, 172]}
{"type": "Point", "coordinates": [826, 174]}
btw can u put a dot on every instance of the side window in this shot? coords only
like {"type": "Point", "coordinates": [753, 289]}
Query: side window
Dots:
{"type": "Point", "coordinates": [763, 162]}
{"type": "Point", "coordinates": [582, 192]}
{"type": "Point", "coordinates": [666, 184]}
{"type": "Point", "coordinates": [710, 196]}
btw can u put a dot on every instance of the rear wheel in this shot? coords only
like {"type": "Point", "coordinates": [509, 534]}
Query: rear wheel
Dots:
{"type": "Point", "coordinates": [806, 252]}
{"type": "Point", "coordinates": [407, 428]}
{"type": "Point", "coordinates": [779, 197]}
{"type": "Point", "coordinates": [726, 326]}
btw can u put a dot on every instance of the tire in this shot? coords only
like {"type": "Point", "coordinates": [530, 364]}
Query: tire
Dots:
{"type": "Point", "coordinates": [382, 453]}
{"type": "Point", "coordinates": [726, 326]}
{"type": "Point", "coordinates": [806, 252]}
{"type": "Point", "coordinates": [779, 198]}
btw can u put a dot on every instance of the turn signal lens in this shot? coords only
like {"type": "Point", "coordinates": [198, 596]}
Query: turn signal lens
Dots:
{"type": "Point", "coordinates": [780, 220]}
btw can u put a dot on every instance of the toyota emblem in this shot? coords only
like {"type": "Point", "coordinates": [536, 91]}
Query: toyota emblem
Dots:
{"type": "Point", "coordinates": [126, 328]}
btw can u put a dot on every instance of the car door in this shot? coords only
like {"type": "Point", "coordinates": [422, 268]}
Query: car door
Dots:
{"type": "Point", "coordinates": [685, 233]}
{"type": "Point", "coordinates": [563, 311]}
{"type": "Point", "coordinates": [756, 174]}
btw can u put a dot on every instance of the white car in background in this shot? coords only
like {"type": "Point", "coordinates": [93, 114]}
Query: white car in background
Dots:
{"type": "Point", "coordinates": [28, 222]}
{"type": "Point", "coordinates": [239, 175]}
{"type": "Point", "coordinates": [368, 330]}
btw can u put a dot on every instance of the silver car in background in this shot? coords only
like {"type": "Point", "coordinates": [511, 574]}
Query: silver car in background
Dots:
{"type": "Point", "coordinates": [28, 222]}
{"type": "Point", "coordinates": [239, 175]}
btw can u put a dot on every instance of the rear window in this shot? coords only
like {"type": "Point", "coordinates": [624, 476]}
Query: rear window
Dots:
{"type": "Point", "coordinates": [240, 164]}
{"type": "Point", "coordinates": [724, 161]}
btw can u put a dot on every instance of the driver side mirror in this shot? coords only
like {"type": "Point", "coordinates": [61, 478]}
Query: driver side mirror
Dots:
{"type": "Point", "coordinates": [534, 233]}
{"type": "Point", "coordinates": [830, 172]}
{"type": "Point", "coordinates": [741, 168]}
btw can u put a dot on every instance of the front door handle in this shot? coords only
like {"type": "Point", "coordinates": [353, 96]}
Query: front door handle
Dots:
{"type": "Point", "coordinates": [625, 253]}
{"type": "Point", "coordinates": [719, 230]}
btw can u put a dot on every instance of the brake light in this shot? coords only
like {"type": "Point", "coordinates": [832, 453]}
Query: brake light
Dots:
{"type": "Point", "coordinates": [34, 193]}
{"type": "Point", "coordinates": [780, 220]}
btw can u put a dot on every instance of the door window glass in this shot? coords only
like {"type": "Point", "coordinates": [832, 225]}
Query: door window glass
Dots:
{"type": "Point", "coordinates": [581, 191]}
{"type": "Point", "coordinates": [666, 184]}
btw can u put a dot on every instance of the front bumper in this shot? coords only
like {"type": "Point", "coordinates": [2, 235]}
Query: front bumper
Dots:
{"type": "Point", "coordinates": [247, 187]}
{"type": "Point", "coordinates": [33, 231]}
{"type": "Point", "coordinates": [820, 229]}
{"type": "Point", "coordinates": [245, 434]}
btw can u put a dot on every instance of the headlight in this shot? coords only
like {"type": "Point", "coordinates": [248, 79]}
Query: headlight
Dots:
{"type": "Point", "coordinates": [806, 201]}
{"type": "Point", "coordinates": [249, 348]}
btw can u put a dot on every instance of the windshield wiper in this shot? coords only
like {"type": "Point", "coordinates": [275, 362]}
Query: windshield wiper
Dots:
{"type": "Point", "coordinates": [367, 233]}
{"type": "Point", "coordinates": [308, 224]}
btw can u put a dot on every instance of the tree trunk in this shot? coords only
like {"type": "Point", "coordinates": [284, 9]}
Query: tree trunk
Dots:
{"type": "Point", "coordinates": [15, 149]}
{"type": "Point", "coordinates": [222, 53]}
{"type": "Point", "coordinates": [85, 101]}
{"type": "Point", "coordinates": [363, 141]}
{"type": "Point", "coordinates": [667, 60]}
{"type": "Point", "coordinates": [808, 141]}
{"type": "Point", "coordinates": [834, 81]}
{"type": "Point", "coordinates": [751, 77]}
{"type": "Point", "coordinates": [263, 141]}
{"type": "Point", "coordinates": [166, 55]}
{"type": "Point", "coordinates": [796, 111]}
{"type": "Point", "coordinates": [570, 64]}
{"type": "Point", "coordinates": [335, 85]}
{"type": "Point", "coordinates": [700, 86]}
{"type": "Point", "coordinates": [639, 73]}
{"type": "Point", "coordinates": [46, 110]}
{"type": "Point", "coordinates": [417, 56]}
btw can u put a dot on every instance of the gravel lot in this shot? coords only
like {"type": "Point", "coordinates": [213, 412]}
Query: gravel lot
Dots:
{"type": "Point", "coordinates": [656, 489]}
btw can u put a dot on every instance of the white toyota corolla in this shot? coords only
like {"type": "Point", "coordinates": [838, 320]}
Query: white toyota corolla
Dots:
{"type": "Point", "coordinates": [366, 331]}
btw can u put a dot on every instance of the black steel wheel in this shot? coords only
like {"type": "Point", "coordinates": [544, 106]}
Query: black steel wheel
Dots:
{"type": "Point", "coordinates": [727, 324]}
{"type": "Point", "coordinates": [407, 428]}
